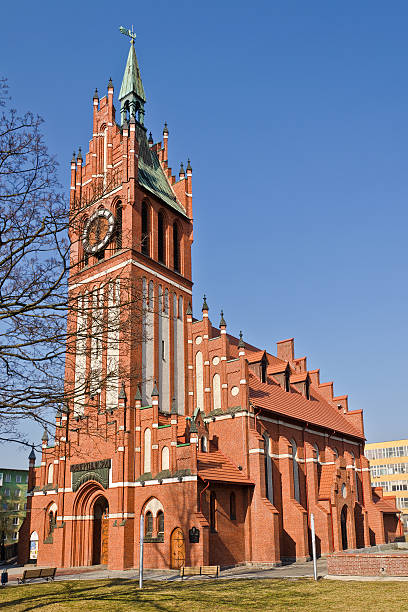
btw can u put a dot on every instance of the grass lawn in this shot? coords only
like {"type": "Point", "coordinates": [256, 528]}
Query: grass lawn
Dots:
{"type": "Point", "coordinates": [209, 595]}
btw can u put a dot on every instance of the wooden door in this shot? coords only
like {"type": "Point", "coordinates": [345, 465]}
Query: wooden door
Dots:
{"type": "Point", "coordinates": [104, 536]}
{"type": "Point", "coordinates": [177, 549]}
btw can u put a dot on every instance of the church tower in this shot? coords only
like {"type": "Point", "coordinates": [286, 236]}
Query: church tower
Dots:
{"type": "Point", "coordinates": [131, 234]}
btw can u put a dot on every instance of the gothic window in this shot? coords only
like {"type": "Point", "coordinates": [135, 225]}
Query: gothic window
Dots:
{"type": "Point", "coordinates": [233, 507]}
{"type": "Point", "coordinates": [295, 468]}
{"type": "Point", "coordinates": [216, 391]}
{"type": "Point", "coordinates": [148, 524]}
{"type": "Point", "coordinates": [319, 467]}
{"type": "Point", "coordinates": [176, 248]}
{"type": "Point", "coordinates": [203, 444]}
{"type": "Point", "coordinates": [119, 211]}
{"type": "Point", "coordinates": [213, 512]}
{"type": "Point", "coordinates": [160, 523]}
{"type": "Point", "coordinates": [353, 460]}
{"type": "Point", "coordinates": [84, 257]}
{"type": "Point", "coordinates": [147, 450]}
{"type": "Point", "coordinates": [161, 246]}
{"type": "Point", "coordinates": [50, 475]}
{"type": "Point", "coordinates": [268, 469]}
{"type": "Point", "coordinates": [165, 465]}
{"type": "Point", "coordinates": [145, 230]}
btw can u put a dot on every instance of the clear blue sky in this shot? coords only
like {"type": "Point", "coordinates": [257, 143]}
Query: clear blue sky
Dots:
{"type": "Point", "coordinates": [294, 116]}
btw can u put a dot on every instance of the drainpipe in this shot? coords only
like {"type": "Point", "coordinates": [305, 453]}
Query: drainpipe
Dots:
{"type": "Point", "coordinates": [307, 488]}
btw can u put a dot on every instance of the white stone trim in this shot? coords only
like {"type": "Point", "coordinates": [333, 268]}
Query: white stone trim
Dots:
{"type": "Point", "coordinates": [255, 451]}
{"type": "Point", "coordinates": [122, 265]}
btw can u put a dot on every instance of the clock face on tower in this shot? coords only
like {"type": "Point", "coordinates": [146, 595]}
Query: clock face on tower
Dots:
{"type": "Point", "coordinates": [98, 231]}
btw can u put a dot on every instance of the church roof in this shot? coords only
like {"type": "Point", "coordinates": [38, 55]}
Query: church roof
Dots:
{"type": "Point", "coordinates": [315, 411]}
{"type": "Point", "coordinates": [217, 467]}
{"type": "Point", "coordinates": [132, 81]}
{"type": "Point", "coordinates": [151, 175]}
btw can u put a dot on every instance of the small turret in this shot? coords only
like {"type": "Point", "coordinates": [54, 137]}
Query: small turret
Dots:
{"type": "Point", "coordinates": [122, 393]}
{"type": "Point", "coordinates": [222, 320]}
{"type": "Point", "coordinates": [96, 96]}
{"type": "Point", "coordinates": [241, 343]}
{"type": "Point", "coordinates": [205, 305]}
{"type": "Point", "coordinates": [182, 174]}
{"type": "Point", "coordinates": [155, 392]}
{"type": "Point", "coordinates": [150, 141]}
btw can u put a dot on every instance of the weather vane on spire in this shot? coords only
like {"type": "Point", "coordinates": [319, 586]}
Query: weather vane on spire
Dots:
{"type": "Point", "coordinates": [127, 32]}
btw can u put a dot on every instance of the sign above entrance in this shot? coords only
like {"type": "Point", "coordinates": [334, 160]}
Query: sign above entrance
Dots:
{"type": "Point", "coordinates": [92, 470]}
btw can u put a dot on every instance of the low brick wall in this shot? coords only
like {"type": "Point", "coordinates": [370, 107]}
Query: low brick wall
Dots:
{"type": "Point", "coordinates": [366, 564]}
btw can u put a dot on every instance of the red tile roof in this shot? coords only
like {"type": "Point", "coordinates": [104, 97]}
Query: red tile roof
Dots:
{"type": "Point", "coordinates": [253, 357]}
{"type": "Point", "coordinates": [301, 377]}
{"type": "Point", "coordinates": [316, 411]}
{"type": "Point", "coordinates": [326, 481]}
{"type": "Point", "coordinates": [216, 467]}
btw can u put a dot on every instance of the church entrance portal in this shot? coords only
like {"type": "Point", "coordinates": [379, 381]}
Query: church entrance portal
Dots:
{"type": "Point", "coordinates": [343, 522]}
{"type": "Point", "coordinates": [177, 548]}
{"type": "Point", "coordinates": [100, 532]}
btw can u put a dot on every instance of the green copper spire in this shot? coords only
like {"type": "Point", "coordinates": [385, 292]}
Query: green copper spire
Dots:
{"type": "Point", "coordinates": [132, 96]}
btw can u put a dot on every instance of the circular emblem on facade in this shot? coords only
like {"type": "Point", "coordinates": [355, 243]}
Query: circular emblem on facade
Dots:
{"type": "Point", "coordinates": [98, 231]}
{"type": "Point", "coordinates": [234, 391]}
{"type": "Point", "coordinates": [199, 340]}
{"type": "Point", "coordinates": [344, 490]}
{"type": "Point", "coordinates": [216, 360]}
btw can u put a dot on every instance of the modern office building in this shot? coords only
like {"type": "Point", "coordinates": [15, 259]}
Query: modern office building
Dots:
{"type": "Point", "coordinates": [13, 492]}
{"type": "Point", "coordinates": [389, 470]}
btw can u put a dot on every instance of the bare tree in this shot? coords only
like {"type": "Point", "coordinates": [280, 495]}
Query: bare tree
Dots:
{"type": "Point", "coordinates": [36, 345]}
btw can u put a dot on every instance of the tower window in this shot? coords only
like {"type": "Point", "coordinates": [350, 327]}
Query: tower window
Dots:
{"type": "Point", "coordinates": [160, 238]}
{"type": "Point", "coordinates": [119, 226]}
{"type": "Point", "coordinates": [176, 248]}
{"type": "Point", "coordinates": [145, 230]}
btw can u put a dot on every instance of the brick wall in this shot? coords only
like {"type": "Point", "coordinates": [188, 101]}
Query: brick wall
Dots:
{"type": "Point", "coordinates": [367, 564]}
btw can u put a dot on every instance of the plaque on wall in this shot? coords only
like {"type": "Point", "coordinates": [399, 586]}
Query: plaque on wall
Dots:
{"type": "Point", "coordinates": [92, 470]}
{"type": "Point", "coordinates": [194, 535]}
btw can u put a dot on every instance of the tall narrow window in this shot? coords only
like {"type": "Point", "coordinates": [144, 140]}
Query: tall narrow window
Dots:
{"type": "Point", "coordinates": [233, 507]}
{"type": "Point", "coordinates": [160, 523]}
{"type": "Point", "coordinates": [160, 238]}
{"type": "Point", "coordinates": [119, 226]}
{"type": "Point", "coordinates": [268, 469]}
{"type": "Point", "coordinates": [287, 380]}
{"type": "Point", "coordinates": [147, 450]}
{"type": "Point", "coordinates": [263, 371]}
{"type": "Point", "coordinates": [176, 248]}
{"type": "Point", "coordinates": [213, 510]}
{"type": "Point", "coordinates": [148, 524]}
{"type": "Point", "coordinates": [295, 468]}
{"type": "Point", "coordinates": [145, 230]}
{"type": "Point", "coordinates": [50, 477]}
{"type": "Point", "coordinates": [353, 461]}
{"type": "Point", "coordinates": [319, 466]}
{"type": "Point", "coordinates": [165, 463]}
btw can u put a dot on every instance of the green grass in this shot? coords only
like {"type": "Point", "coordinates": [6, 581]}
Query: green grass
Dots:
{"type": "Point", "coordinates": [207, 595]}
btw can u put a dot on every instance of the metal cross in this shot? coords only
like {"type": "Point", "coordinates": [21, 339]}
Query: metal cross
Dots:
{"type": "Point", "coordinates": [128, 32]}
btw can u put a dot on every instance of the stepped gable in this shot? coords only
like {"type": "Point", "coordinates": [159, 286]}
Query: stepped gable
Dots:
{"type": "Point", "coordinates": [216, 467]}
{"type": "Point", "coordinates": [314, 411]}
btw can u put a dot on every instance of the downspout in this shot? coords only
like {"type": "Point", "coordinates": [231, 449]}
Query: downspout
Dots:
{"type": "Point", "coordinates": [205, 488]}
{"type": "Point", "coordinates": [307, 489]}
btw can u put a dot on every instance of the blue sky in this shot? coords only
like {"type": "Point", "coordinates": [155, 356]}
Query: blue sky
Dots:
{"type": "Point", "coordinates": [294, 116]}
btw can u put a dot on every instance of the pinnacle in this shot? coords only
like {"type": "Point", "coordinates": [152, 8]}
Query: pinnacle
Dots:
{"type": "Point", "coordinates": [165, 129]}
{"type": "Point", "coordinates": [222, 321]}
{"type": "Point", "coordinates": [205, 305]}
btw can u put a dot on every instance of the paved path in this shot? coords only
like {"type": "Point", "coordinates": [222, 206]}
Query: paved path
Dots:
{"type": "Point", "coordinates": [294, 570]}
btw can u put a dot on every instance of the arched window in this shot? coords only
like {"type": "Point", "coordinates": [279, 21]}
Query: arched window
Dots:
{"type": "Point", "coordinates": [148, 524]}
{"type": "Point", "coordinates": [83, 254]}
{"type": "Point", "coordinates": [161, 246]}
{"type": "Point", "coordinates": [50, 474]}
{"type": "Point", "coordinates": [176, 248]}
{"type": "Point", "coordinates": [295, 468]}
{"type": "Point", "coordinates": [319, 465]}
{"type": "Point", "coordinates": [160, 523]}
{"type": "Point", "coordinates": [33, 546]}
{"type": "Point", "coordinates": [199, 380]}
{"type": "Point", "coordinates": [50, 523]}
{"type": "Point", "coordinates": [147, 450]}
{"type": "Point", "coordinates": [268, 469]}
{"type": "Point", "coordinates": [353, 461]}
{"type": "Point", "coordinates": [203, 444]}
{"type": "Point", "coordinates": [165, 462]}
{"type": "Point", "coordinates": [213, 511]}
{"type": "Point", "coordinates": [233, 507]}
{"type": "Point", "coordinates": [119, 226]}
{"type": "Point", "coordinates": [145, 230]}
{"type": "Point", "coordinates": [216, 391]}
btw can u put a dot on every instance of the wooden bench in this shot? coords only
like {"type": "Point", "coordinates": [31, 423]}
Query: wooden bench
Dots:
{"type": "Point", "coordinates": [44, 573]}
{"type": "Point", "coordinates": [202, 570]}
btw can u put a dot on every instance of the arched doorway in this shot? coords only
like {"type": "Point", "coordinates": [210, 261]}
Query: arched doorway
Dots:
{"type": "Point", "coordinates": [100, 532]}
{"type": "Point", "coordinates": [177, 549]}
{"type": "Point", "coordinates": [343, 522]}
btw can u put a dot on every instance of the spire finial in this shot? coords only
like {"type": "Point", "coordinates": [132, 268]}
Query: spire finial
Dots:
{"type": "Point", "coordinates": [96, 95]}
{"type": "Point", "coordinates": [73, 157]}
{"type": "Point", "coordinates": [181, 169]}
{"type": "Point", "coordinates": [241, 343]}
{"type": "Point", "coordinates": [205, 305]}
{"type": "Point", "coordinates": [122, 392]}
{"type": "Point", "coordinates": [110, 84]}
{"type": "Point", "coordinates": [165, 129]}
{"type": "Point", "coordinates": [138, 395]}
{"type": "Point", "coordinates": [222, 321]}
{"type": "Point", "coordinates": [150, 141]}
{"type": "Point", "coordinates": [31, 456]}
{"type": "Point", "coordinates": [189, 168]}
{"type": "Point", "coordinates": [155, 392]}
{"type": "Point", "coordinates": [45, 436]}
{"type": "Point", "coordinates": [189, 310]}
{"type": "Point", "coordinates": [173, 406]}
{"type": "Point", "coordinates": [79, 156]}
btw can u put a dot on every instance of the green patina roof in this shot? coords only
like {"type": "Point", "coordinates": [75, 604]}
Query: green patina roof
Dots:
{"type": "Point", "coordinates": [132, 81]}
{"type": "Point", "coordinates": [151, 175]}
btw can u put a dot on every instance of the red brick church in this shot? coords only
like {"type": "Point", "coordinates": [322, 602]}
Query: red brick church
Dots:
{"type": "Point", "coordinates": [224, 448]}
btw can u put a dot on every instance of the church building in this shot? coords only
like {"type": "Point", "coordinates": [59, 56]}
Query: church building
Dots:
{"type": "Point", "coordinates": [224, 448]}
